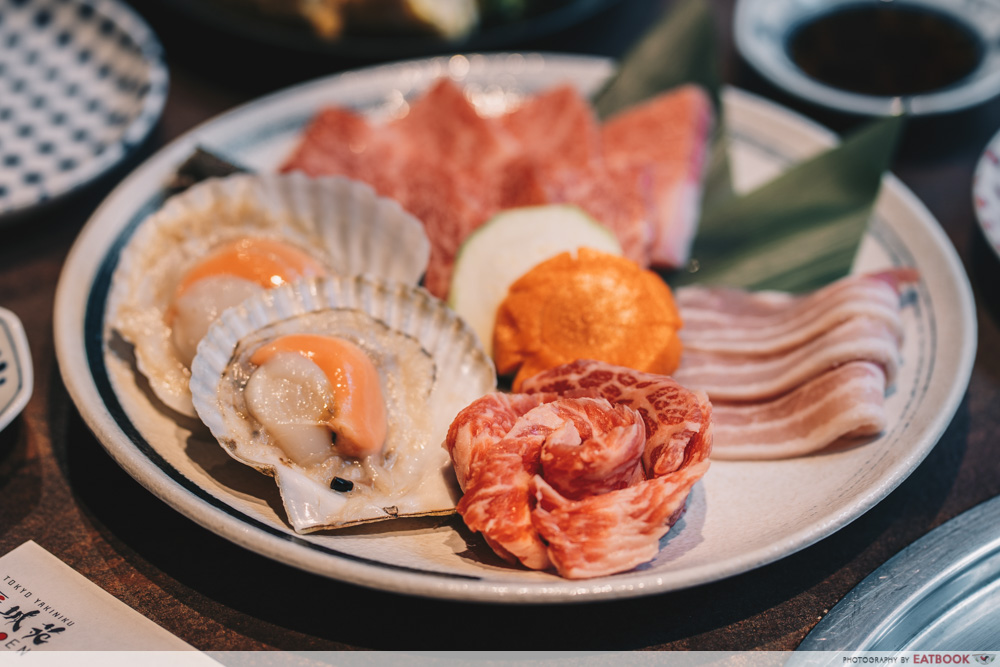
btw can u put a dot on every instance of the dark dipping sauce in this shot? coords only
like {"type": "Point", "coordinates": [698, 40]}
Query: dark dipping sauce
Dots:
{"type": "Point", "coordinates": [881, 49]}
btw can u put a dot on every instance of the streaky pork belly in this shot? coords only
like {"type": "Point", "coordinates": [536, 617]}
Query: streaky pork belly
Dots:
{"type": "Point", "coordinates": [754, 377]}
{"type": "Point", "coordinates": [846, 401]}
{"type": "Point", "coordinates": [737, 321]}
{"type": "Point", "coordinates": [790, 374]}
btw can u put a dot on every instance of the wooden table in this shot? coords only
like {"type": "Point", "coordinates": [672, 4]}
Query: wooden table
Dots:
{"type": "Point", "coordinates": [59, 488]}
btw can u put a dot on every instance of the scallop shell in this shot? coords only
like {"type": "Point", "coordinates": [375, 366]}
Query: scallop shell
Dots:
{"type": "Point", "coordinates": [460, 373]}
{"type": "Point", "coordinates": [342, 222]}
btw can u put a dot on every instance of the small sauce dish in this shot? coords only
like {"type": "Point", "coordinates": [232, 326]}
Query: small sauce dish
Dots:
{"type": "Point", "coordinates": [986, 193]}
{"type": "Point", "coordinates": [16, 376]}
{"type": "Point", "coordinates": [875, 57]}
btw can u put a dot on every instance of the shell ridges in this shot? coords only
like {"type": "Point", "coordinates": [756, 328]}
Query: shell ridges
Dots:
{"type": "Point", "coordinates": [460, 372]}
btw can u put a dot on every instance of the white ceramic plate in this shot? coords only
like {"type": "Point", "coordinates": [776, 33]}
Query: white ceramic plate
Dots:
{"type": "Point", "coordinates": [986, 193]}
{"type": "Point", "coordinates": [82, 82]}
{"type": "Point", "coordinates": [761, 29]}
{"type": "Point", "coordinates": [741, 516]}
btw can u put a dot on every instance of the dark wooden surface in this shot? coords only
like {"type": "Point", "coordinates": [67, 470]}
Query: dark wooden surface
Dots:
{"type": "Point", "coordinates": [59, 488]}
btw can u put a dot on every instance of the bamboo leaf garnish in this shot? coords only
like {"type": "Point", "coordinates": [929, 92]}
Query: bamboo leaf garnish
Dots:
{"type": "Point", "coordinates": [679, 48]}
{"type": "Point", "coordinates": [801, 230]}
{"type": "Point", "coordinates": [797, 232]}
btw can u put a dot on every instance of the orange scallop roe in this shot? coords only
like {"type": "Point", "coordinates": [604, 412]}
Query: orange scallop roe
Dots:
{"type": "Point", "coordinates": [266, 262]}
{"type": "Point", "coordinates": [589, 306]}
{"type": "Point", "coordinates": [359, 414]}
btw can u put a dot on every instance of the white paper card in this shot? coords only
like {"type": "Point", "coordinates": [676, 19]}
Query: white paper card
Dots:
{"type": "Point", "coordinates": [46, 605]}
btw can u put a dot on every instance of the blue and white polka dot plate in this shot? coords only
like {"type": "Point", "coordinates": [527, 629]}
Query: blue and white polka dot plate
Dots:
{"type": "Point", "coordinates": [16, 376]}
{"type": "Point", "coordinates": [81, 83]}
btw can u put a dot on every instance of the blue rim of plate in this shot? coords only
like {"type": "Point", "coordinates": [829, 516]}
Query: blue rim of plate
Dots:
{"type": "Point", "coordinates": [82, 83]}
{"type": "Point", "coordinates": [761, 27]}
{"type": "Point", "coordinates": [986, 193]}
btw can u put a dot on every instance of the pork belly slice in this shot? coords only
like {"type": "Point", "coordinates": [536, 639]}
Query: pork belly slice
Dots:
{"type": "Point", "coordinates": [756, 377]}
{"type": "Point", "coordinates": [844, 402]}
{"type": "Point", "coordinates": [737, 321]}
{"type": "Point", "coordinates": [660, 146]}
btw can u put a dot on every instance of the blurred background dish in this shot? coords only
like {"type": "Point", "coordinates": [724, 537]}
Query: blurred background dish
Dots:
{"type": "Point", "coordinates": [81, 83]}
{"type": "Point", "coordinates": [875, 57]}
{"type": "Point", "coordinates": [986, 193]}
{"type": "Point", "coordinates": [376, 30]}
{"type": "Point", "coordinates": [941, 593]}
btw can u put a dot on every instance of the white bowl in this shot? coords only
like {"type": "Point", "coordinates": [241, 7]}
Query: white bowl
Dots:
{"type": "Point", "coordinates": [762, 29]}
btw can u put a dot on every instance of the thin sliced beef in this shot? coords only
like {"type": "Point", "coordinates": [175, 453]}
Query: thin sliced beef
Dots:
{"type": "Point", "coordinates": [586, 473]}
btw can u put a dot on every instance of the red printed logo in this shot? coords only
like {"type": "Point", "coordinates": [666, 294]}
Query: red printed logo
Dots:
{"type": "Point", "coordinates": [938, 659]}
{"type": "Point", "coordinates": [3, 636]}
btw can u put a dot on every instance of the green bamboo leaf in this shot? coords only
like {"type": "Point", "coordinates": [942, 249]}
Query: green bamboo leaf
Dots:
{"type": "Point", "coordinates": [801, 230]}
{"type": "Point", "coordinates": [679, 48]}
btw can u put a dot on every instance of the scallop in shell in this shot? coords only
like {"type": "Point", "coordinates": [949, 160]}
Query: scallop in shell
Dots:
{"type": "Point", "coordinates": [307, 226]}
{"type": "Point", "coordinates": [429, 365]}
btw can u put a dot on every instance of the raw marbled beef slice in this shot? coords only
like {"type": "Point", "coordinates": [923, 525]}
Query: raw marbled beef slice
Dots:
{"type": "Point", "coordinates": [661, 146]}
